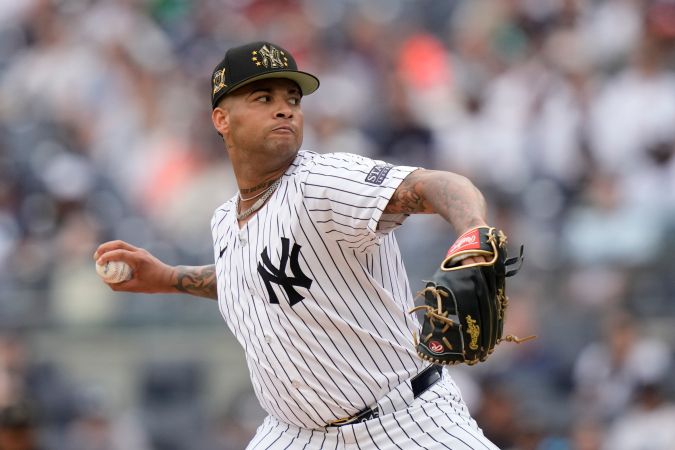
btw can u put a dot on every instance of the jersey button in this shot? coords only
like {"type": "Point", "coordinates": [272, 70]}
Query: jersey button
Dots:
{"type": "Point", "coordinates": [268, 338]}
{"type": "Point", "coordinates": [242, 240]}
{"type": "Point", "coordinates": [296, 384]}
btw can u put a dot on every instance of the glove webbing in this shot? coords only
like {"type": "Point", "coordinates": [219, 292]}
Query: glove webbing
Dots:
{"type": "Point", "coordinates": [434, 314]}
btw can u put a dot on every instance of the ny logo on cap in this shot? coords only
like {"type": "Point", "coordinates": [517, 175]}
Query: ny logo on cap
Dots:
{"type": "Point", "coordinates": [218, 81]}
{"type": "Point", "coordinates": [269, 57]}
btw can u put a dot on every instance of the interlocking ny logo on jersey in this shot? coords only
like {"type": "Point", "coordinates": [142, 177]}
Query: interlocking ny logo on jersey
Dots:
{"type": "Point", "coordinates": [277, 275]}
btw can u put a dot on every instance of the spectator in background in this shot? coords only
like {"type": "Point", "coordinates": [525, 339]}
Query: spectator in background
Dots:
{"type": "Point", "coordinates": [18, 429]}
{"type": "Point", "coordinates": [631, 121]}
{"type": "Point", "coordinates": [608, 372]}
{"type": "Point", "coordinates": [497, 415]}
{"type": "Point", "coordinates": [647, 423]}
{"type": "Point", "coordinates": [586, 435]}
{"type": "Point", "coordinates": [12, 371]}
{"type": "Point", "coordinates": [602, 211]}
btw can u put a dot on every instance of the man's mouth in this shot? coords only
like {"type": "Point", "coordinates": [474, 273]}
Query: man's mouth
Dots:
{"type": "Point", "coordinates": [284, 129]}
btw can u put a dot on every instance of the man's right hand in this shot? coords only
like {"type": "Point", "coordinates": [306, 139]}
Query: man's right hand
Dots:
{"type": "Point", "coordinates": [149, 274]}
{"type": "Point", "coordinates": [152, 276]}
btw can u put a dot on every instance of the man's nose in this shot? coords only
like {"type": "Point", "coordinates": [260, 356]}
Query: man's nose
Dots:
{"type": "Point", "coordinates": [284, 110]}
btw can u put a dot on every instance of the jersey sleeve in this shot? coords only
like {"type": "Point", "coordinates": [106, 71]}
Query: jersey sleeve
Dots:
{"type": "Point", "coordinates": [346, 195]}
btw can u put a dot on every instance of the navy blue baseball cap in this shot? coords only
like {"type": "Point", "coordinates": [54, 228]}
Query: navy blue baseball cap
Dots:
{"type": "Point", "coordinates": [256, 61]}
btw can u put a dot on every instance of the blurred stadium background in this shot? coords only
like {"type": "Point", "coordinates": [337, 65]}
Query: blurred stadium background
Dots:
{"type": "Point", "coordinates": [561, 111]}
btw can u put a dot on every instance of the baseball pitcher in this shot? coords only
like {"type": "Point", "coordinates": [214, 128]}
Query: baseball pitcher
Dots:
{"type": "Point", "coordinates": [309, 278]}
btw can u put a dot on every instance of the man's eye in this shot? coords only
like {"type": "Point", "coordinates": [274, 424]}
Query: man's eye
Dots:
{"type": "Point", "coordinates": [295, 101]}
{"type": "Point", "coordinates": [263, 99]}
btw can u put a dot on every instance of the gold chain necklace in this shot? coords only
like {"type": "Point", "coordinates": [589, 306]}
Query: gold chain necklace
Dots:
{"type": "Point", "coordinates": [261, 201]}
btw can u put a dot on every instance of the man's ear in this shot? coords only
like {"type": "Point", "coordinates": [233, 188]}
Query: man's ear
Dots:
{"type": "Point", "coordinates": [221, 120]}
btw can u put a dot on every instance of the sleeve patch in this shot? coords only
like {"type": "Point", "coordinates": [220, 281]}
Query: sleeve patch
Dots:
{"type": "Point", "coordinates": [378, 173]}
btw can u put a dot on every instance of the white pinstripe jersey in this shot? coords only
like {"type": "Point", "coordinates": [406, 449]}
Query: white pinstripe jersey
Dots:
{"type": "Point", "coordinates": [315, 293]}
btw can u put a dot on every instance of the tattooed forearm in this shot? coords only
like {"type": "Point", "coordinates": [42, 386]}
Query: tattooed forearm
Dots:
{"type": "Point", "coordinates": [452, 196]}
{"type": "Point", "coordinates": [408, 197]}
{"type": "Point", "coordinates": [199, 281]}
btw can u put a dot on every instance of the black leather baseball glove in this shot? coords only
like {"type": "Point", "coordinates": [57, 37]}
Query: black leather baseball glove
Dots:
{"type": "Point", "coordinates": [465, 305]}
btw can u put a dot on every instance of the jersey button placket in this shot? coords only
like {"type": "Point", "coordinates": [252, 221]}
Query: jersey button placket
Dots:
{"type": "Point", "coordinates": [242, 239]}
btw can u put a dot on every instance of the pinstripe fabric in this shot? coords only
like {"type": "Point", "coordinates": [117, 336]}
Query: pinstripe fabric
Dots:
{"type": "Point", "coordinates": [438, 419]}
{"type": "Point", "coordinates": [314, 289]}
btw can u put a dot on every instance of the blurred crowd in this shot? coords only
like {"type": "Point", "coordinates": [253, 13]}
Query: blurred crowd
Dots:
{"type": "Point", "coordinates": [561, 111]}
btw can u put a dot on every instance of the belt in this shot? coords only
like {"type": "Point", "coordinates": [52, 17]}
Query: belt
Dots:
{"type": "Point", "coordinates": [419, 383]}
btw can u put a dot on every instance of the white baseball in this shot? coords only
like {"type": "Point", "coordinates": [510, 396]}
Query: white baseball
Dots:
{"type": "Point", "coordinates": [114, 271]}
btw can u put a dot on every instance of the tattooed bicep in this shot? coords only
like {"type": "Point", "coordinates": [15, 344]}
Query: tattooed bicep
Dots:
{"type": "Point", "coordinates": [408, 198]}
